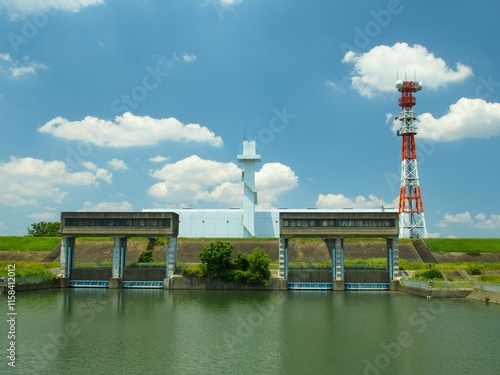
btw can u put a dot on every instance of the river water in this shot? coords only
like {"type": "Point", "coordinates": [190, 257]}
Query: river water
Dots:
{"type": "Point", "coordinates": [101, 331]}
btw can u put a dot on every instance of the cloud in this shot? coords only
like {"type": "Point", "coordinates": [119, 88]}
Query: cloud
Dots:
{"type": "Point", "coordinates": [454, 219]}
{"type": "Point", "coordinates": [195, 182]}
{"type": "Point", "coordinates": [16, 8]}
{"type": "Point", "coordinates": [480, 220]}
{"type": "Point", "coordinates": [484, 222]}
{"type": "Point", "coordinates": [100, 173]}
{"type": "Point", "coordinates": [186, 57]}
{"type": "Point", "coordinates": [129, 130]}
{"type": "Point", "coordinates": [271, 181]}
{"type": "Point", "coordinates": [123, 206]}
{"type": "Point", "coordinates": [43, 216]}
{"type": "Point", "coordinates": [341, 201]}
{"type": "Point", "coordinates": [117, 165]}
{"type": "Point", "coordinates": [374, 72]}
{"type": "Point", "coordinates": [18, 69]}
{"type": "Point", "coordinates": [24, 181]}
{"type": "Point", "coordinates": [159, 159]}
{"type": "Point", "coordinates": [467, 118]}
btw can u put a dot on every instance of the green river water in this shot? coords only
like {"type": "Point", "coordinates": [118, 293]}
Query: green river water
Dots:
{"type": "Point", "coordinates": [101, 331]}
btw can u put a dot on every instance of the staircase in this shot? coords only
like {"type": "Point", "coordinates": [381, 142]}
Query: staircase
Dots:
{"type": "Point", "coordinates": [424, 252]}
{"type": "Point", "coordinates": [53, 255]}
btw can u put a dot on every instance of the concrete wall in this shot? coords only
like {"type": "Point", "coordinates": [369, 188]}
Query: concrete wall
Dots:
{"type": "Point", "coordinates": [366, 276]}
{"type": "Point", "coordinates": [195, 283]}
{"type": "Point", "coordinates": [91, 274]}
{"type": "Point", "coordinates": [435, 293]}
{"type": "Point", "coordinates": [313, 276]}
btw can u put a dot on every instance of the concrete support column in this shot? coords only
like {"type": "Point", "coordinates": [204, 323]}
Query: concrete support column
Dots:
{"type": "Point", "coordinates": [66, 258]}
{"type": "Point", "coordinates": [118, 266]}
{"type": "Point", "coordinates": [171, 256]}
{"type": "Point", "coordinates": [338, 266]}
{"type": "Point", "coordinates": [339, 259]}
{"type": "Point", "coordinates": [283, 258]}
{"type": "Point", "coordinates": [393, 258]}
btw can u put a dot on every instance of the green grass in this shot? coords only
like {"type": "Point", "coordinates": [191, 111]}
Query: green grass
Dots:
{"type": "Point", "coordinates": [12, 243]}
{"type": "Point", "coordinates": [25, 268]}
{"type": "Point", "coordinates": [465, 245]}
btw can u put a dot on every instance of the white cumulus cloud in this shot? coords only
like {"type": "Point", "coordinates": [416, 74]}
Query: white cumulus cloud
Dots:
{"type": "Point", "coordinates": [19, 69]}
{"type": "Point", "coordinates": [123, 206]}
{"type": "Point", "coordinates": [128, 130]}
{"type": "Point", "coordinates": [196, 182]}
{"type": "Point", "coordinates": [467, 118]}
{"type": "Point", "coordinates": [43, 216]}
{"type": "Point", "coordinates": [159, 159]}
{"type": "Point", "coordinates": [480, 220]}
{"type": "Point", "coordinates": [339, 201]}
{"type": "Point", "coordinates": [117, 164]}
{"type": "Point", "coordinates": [19, 8]}
{"type": "Point", "coordinates": [374, 71]}
{"type": "Point", "coordinates": [26, 181]}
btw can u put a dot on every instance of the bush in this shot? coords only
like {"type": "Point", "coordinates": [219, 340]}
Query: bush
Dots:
{"type": "Point", "coordinates": [160, 241]}
{"type": "Point", "coordinates": [474, 269]}
{"type": "Point", "coordinates": [197, 271]}
{"type": "Point", "coordinates": [259, 267]}
{"type": "Point", "coordinates": [216, 257]}
{"type": "Point", "coordinates": [430, 274]}
{"type": "Point", "coordinates": [146, 256]}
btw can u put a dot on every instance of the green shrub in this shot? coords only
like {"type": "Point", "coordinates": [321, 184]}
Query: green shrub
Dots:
{"type": "Point", "coordinates": [474, 269]}
{"type": "Point", "coordinates": [160, 241]}
{"type": "Point", "coordinates": [216, 256]}
{"type": "Point", "coordinates": [197, 271]}
{"type": "Point", "coordinates": [430, 274]}
{"type": "Point", "coordinates": [146, 256]}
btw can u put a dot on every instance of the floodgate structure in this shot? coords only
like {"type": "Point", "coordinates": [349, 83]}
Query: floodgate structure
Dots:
{"type": "Point", "coordinates": [333, 226]}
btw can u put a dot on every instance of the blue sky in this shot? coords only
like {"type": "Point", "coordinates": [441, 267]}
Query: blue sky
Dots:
{"type": "Point", "coordinates": [125, 105]}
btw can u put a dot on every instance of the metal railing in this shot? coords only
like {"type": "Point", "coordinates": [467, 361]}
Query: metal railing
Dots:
{"type": "Point", "coordinates": [487, 287]}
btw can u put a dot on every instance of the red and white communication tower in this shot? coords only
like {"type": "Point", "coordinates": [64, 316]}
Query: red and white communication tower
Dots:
{"type": "Point", "coordinates": [411, 208]}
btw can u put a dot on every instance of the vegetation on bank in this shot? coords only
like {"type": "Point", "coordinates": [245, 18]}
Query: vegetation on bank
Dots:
{"type": "Point", "coordinates": [216, 262]}
{"type": "Point", "coordinates": [28, 269]}
{"type": "Point", "coordinates": [464, 245]}
{"type": "Point", "coordinates": [12, 243]}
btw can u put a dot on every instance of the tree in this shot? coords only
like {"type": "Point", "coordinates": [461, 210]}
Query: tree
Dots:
{"type": "Point", "coordinates": [146, 256]}
{"type": "Point", "coordinates": [45, 229]}
{"type": "Point", "coordinates": [216, 256]}
{"type": "Point", "coordinates": [258, 265]}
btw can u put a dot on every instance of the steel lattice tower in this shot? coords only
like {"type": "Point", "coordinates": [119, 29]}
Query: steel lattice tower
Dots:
{"type": "Point", "coordinates": [411, 208]}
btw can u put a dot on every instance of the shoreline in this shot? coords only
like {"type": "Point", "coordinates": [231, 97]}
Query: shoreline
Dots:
{"type": "Point", "coordinates": [276, 285]}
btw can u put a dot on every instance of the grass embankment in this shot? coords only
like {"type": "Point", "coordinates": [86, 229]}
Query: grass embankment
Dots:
{"type": "Point", "coordinates": [26, 269]}
{"type": "Point", "coordinates": [12, 243]}
{"type": "Point", "coordinates": [464, 245]}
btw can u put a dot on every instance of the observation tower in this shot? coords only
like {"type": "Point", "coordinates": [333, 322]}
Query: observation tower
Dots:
{"type": "Point", "coordinates": [411, 208]}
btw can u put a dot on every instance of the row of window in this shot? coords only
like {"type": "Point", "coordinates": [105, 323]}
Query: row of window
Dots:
{"type": "Point", "coordinates": [291, 223]}
{"type": "Point", "coordinates": [147, 223]}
